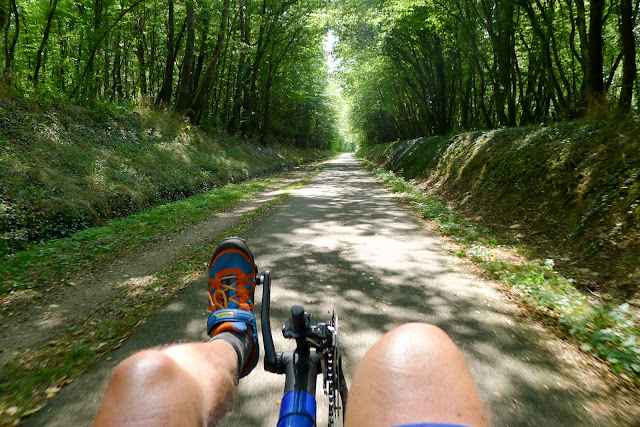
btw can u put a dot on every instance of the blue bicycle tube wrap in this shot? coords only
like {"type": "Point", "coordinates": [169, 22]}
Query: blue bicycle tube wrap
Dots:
{"type": "Point", "coordinates": [298, 409]}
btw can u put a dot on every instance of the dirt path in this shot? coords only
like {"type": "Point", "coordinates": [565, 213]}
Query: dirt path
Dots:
{"type": "Point", "coordinates": [344, 242]}
{"type": "Point", "coordinates": [35, 322]}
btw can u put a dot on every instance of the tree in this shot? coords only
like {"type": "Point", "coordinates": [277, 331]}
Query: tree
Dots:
{"type": "Point", "coordinates": [184, 90]}
{"type": "Point", "coordinates": [10, 41]}
{"type": "Point", "coordinates": [627, 23]}
{"type": "Point", "coordinates": [52, 9]}
{"type": "Point", "coordinates": [164, 97]}
{"type": "Point", "coordinates": [200, 97]}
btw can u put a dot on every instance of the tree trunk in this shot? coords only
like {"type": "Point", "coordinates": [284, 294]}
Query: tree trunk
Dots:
{"type": "Point", "coordinates": [142, 76]}
{"type": "Point", "coordinates": [88, 69]}
{"type": "Point", "coordinates": [200, 97]}
{"type": "Point", "coordinates": [629, 51]}
{"type": "Point", "coordinates": [440, 98]}
{"type": "Point", "coordinates": [164, 96]}
{"type": "Point", "coordinates": [141, 49]}
{"type": "Point", "coordinates": [581, 25]}
{"type": "Point", "coordinates": [264, 39]}
{"type": "Point", "coordinates": [10, 46]}
{"type": "Point", "coordinates": [201, 55]}
{"type": "Point", "coordinates": [116, 90]}
{"type": "Point", "coordinates": [595, 85]}
{"type": "Point", "coordinates": [184, 91]}
{"type": "Point", "coordinates": [45, 37]}
{"type": "Point", "coordinates": [240, 75]}
{"type": "Point", "coordinates": [250, 99]}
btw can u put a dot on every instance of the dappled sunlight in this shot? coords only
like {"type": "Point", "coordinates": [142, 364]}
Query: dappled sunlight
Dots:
{"type": "Point", "coordinates": [138, 283]}
{"type": "Point", "coordinates": [179, 150]}
{"type": "Point", "coordinates": [343, 243]}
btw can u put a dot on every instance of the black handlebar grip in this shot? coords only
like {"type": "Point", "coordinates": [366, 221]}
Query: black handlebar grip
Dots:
{"type": "Point", "coordinates": [298, 319]}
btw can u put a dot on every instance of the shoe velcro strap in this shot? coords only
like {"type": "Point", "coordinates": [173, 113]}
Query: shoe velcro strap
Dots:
{"type": "Point", "coordinates": [240, 318]}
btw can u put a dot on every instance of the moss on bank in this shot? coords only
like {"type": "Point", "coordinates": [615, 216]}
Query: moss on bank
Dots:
{"type": "Point", "coordinates": [567, 191]}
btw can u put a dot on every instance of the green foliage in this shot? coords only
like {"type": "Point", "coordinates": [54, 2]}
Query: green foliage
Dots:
{"type": "Point", "coordinates": [53, 262]}
{"type": "Point", "coordinates": [609, 331]}
{"type": "Point", "coordinates": [109, 51]}
{"type": "Point", "coordinates": [418, 68]}
{"type": "Point", "coordinates": [431, 208]}
{"type": "Point", "coordinates": [574, 182]}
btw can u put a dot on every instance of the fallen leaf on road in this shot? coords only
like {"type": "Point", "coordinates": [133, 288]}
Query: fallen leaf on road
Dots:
{"type": "Point", "coordinates": [52, 391]}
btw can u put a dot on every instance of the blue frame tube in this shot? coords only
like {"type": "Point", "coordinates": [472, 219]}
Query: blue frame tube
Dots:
{"type": "Point", "coordinates": [298, 409]}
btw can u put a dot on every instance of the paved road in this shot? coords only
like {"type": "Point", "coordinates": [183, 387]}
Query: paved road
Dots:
{"type": "Point", "coordinates": [344, 242]}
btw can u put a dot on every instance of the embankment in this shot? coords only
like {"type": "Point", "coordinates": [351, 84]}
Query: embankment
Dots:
{"type": "Point", "coordinates": [64, 167]}
{"type": "Point", "coordinates": [567, 191]}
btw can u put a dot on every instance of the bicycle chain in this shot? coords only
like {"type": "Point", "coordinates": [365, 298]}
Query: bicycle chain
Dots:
{"type": "Point", "coordinates": [332, 381]}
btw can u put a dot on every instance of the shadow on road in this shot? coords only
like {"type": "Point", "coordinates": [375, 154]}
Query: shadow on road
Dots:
{"type": "Point", "coordinates": [344, 243]}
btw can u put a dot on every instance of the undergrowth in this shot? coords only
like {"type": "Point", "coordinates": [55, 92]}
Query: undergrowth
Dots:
{"type": "Point", "coordinates": [65, 168]}
{"type": "Point", "coordinates": [607, 330]}
{"type": "Point", "coordinates": [574, 184]}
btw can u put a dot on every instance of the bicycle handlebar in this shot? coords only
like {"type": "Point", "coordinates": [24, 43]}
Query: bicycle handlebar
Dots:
{"type": "Point", "coordinates": [298, 406]}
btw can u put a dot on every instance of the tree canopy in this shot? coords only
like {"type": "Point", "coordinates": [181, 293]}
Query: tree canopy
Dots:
{"type": "Point", "coordinates": [250, 66]}
{"type": "Point", "coordinates": [408, 68]}
{"type": "Point", "coordinates": [414, 68]}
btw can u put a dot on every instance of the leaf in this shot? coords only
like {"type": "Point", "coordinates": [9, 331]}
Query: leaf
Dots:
{"type": "Point", "coordinates": [586, 347]}
{"type": "Point", "coordinates": [52, 391]}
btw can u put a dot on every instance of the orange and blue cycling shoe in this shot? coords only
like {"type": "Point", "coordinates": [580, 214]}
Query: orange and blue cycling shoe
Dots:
{"type": "Point", "coordinates": [231, 285]}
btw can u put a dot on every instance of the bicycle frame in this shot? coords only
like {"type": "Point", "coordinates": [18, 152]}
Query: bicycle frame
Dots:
{"type": "Point", "coordinates": [302, 366]}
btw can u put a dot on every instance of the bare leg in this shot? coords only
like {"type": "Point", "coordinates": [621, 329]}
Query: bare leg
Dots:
{"type": "Point", "coordinates": [414, 373]}
{"type": "Point", "coordinates": [181, 385]}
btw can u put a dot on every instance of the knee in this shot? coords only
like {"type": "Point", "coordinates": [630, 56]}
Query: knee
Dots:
{"type": "Point", "coordinates": [417, 332]}
{"type": "Point", "coordinates": [151, 386]}
{"type": "Point", "coordinates": [146, 368]}
{"type": "Point", "coordinates": [412, 338]}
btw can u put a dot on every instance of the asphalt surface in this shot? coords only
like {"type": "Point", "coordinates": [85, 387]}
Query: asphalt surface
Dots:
{"type": "Point", "coordinates": [343, 242]}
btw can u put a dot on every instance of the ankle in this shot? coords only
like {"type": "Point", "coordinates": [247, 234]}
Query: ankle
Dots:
{"type": "Point", "coordinates": [241, 343]}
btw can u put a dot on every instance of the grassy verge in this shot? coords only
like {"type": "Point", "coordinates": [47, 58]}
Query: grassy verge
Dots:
{"type": "Point", "coordinates": [55, 262]}
{"type": "Point", "coordinates": [28, 380]}
{"type": "Point", "coordinates": [606, 330]}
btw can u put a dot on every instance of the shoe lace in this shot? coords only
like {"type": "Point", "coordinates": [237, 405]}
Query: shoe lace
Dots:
{"type": "Point", "coordinates": [220, 298]}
